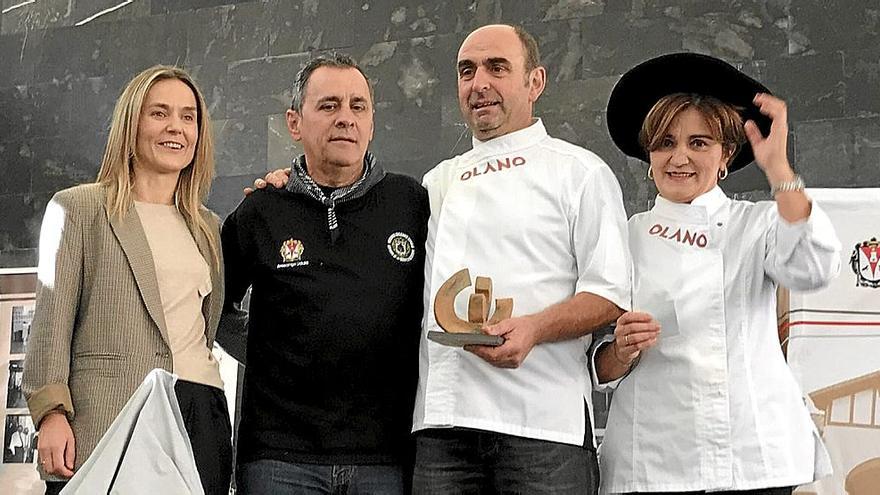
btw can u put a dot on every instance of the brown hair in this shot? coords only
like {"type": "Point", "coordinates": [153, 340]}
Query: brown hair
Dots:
{"type": "Point", "coordinates": [334, 60]}
{"type": "Point", "coordinates": [724, 121]}
{"type": "Point", "coordinates": [117, 172]}
{"type": "Point", "coordinates": [531, 54]}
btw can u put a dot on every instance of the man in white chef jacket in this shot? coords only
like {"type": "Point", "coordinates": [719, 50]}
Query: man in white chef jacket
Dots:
{"type": "Point", "coordinates": [544, 219]}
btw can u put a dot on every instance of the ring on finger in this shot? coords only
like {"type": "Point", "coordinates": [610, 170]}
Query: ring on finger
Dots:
{"type": "Point", "coordinates": [626, 339]}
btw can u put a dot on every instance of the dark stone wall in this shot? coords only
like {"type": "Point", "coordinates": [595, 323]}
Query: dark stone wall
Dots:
{"type": "Point", "coordinates": [60, 74]}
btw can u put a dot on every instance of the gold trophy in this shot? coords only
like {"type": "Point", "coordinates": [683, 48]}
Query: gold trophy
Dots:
{"type": "Point", "coordinates": [458, 332]}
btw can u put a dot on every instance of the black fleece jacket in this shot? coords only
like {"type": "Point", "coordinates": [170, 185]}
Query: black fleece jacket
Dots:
{"type": "Point", "coordinates": [333, 329]}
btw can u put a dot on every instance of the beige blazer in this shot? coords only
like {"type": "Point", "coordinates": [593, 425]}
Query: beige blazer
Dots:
{"type": "Point", "coordinates": [98, 326]}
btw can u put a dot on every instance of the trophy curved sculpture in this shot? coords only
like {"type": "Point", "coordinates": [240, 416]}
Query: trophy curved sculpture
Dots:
{"type": "Point", "coordinates": [457, 331]}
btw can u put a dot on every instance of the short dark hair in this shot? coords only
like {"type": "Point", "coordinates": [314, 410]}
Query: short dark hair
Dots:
{"type": "Point", "coordinates": [335, 60]}
{"type": "Point", "coordinates": [530, 48]}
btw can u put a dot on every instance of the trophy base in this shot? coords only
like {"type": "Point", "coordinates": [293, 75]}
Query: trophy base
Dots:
{"type": "Point", "coordinates": [463, 339]}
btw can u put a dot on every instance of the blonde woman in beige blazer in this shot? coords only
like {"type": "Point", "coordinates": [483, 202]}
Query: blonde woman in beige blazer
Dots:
{"type": "Point", "coordinates": [130, 280]}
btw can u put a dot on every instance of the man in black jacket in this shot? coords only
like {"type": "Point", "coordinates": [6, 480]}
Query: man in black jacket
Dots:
{"type": "Point", "coordinates": [335, 263]}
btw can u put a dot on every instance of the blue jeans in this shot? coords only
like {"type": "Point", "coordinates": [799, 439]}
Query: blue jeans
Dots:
{"type": "Point", "coordinates": [268, 476]}
{"type": "Point", "coordinates": [462, 461]}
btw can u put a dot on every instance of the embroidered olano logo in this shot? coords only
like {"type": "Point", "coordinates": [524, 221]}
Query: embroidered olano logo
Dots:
{"type": "Point", "coordinates": [864, 261]}
{"type": "Point", "coordinates": [291, 250]}
{"type": "Point", "coordinates": [401, 247]}
{"type": "Point", "coordinates": [493, 166]}
{"type": "Point", "coordinates": [681, 235]}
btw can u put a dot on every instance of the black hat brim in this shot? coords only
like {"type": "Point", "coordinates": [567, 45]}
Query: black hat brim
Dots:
{"type": "Point", "coordinates": [642, 86]}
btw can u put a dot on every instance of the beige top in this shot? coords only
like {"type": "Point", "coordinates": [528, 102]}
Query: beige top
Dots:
{"type": "Point", "coordinates": [184, 281]}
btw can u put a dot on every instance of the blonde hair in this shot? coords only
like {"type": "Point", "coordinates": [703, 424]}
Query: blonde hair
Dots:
{"type": "Point", "coordinates": [117, 173]}
{"type": "Point", "coordinates": [723, 120]}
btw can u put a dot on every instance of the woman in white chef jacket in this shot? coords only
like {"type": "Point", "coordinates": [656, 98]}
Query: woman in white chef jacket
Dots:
{"type": "Point", "coordinates": [704, 400]}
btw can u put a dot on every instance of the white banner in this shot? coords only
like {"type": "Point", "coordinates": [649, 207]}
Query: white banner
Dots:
{"type": "Point", "coordinates": [834, 346]}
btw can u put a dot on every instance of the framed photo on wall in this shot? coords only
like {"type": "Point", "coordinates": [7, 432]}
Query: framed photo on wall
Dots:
{"type": "Point", "coordinates": [19, 440]}
{"type": "Point", "coordinates": [18, 463]}
{"type": "Point", "coordinates": [20, 327]}
{"type": "Point", "coordinates": [14, 395]}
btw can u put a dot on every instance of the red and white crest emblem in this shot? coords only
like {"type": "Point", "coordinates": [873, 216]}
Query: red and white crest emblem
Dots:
{"type": "Point", "coordinates": [865, 262]}
{"type": "Point", "coordinates": [291, 250]}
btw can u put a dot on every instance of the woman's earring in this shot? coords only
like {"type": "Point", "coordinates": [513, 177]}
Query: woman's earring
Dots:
{"type": "Point", "coordinates": [722, 173]}
{"type": "Point", "coordinates": [650, 173]}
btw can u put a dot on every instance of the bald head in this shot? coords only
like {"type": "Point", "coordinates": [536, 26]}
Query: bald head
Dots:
{"type": "Point", "coordinates": [531, 54]}
{"type": "Point", "coordinates": [497, 88]}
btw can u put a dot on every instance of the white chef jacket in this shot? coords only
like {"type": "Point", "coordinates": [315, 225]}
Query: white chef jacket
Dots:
{"type": "Point", "coordinates": [544, 219]}
{"type": "Point", "coordinates": [713, 406]}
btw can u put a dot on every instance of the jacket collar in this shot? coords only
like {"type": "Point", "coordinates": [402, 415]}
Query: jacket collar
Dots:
{"type": "Point", "coordinates": [698, 211]}
{"type": "Point", "coordinates": [522, 138]}
{"type": "Point", "coordinates": [301, 182]}
{"type": "Point", "coordinates": [130, 234]}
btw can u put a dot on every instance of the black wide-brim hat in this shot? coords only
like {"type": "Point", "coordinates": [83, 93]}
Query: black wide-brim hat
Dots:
{"type": "Point", "coordinates": [642, 86]}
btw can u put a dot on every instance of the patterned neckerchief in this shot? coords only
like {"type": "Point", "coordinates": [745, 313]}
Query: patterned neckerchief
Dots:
{"type": "Point", "coordinates": [302, 183]}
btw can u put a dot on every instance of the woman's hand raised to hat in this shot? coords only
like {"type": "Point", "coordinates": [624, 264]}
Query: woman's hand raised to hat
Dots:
{"type": "Point", "coordinates": [771, 152]}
